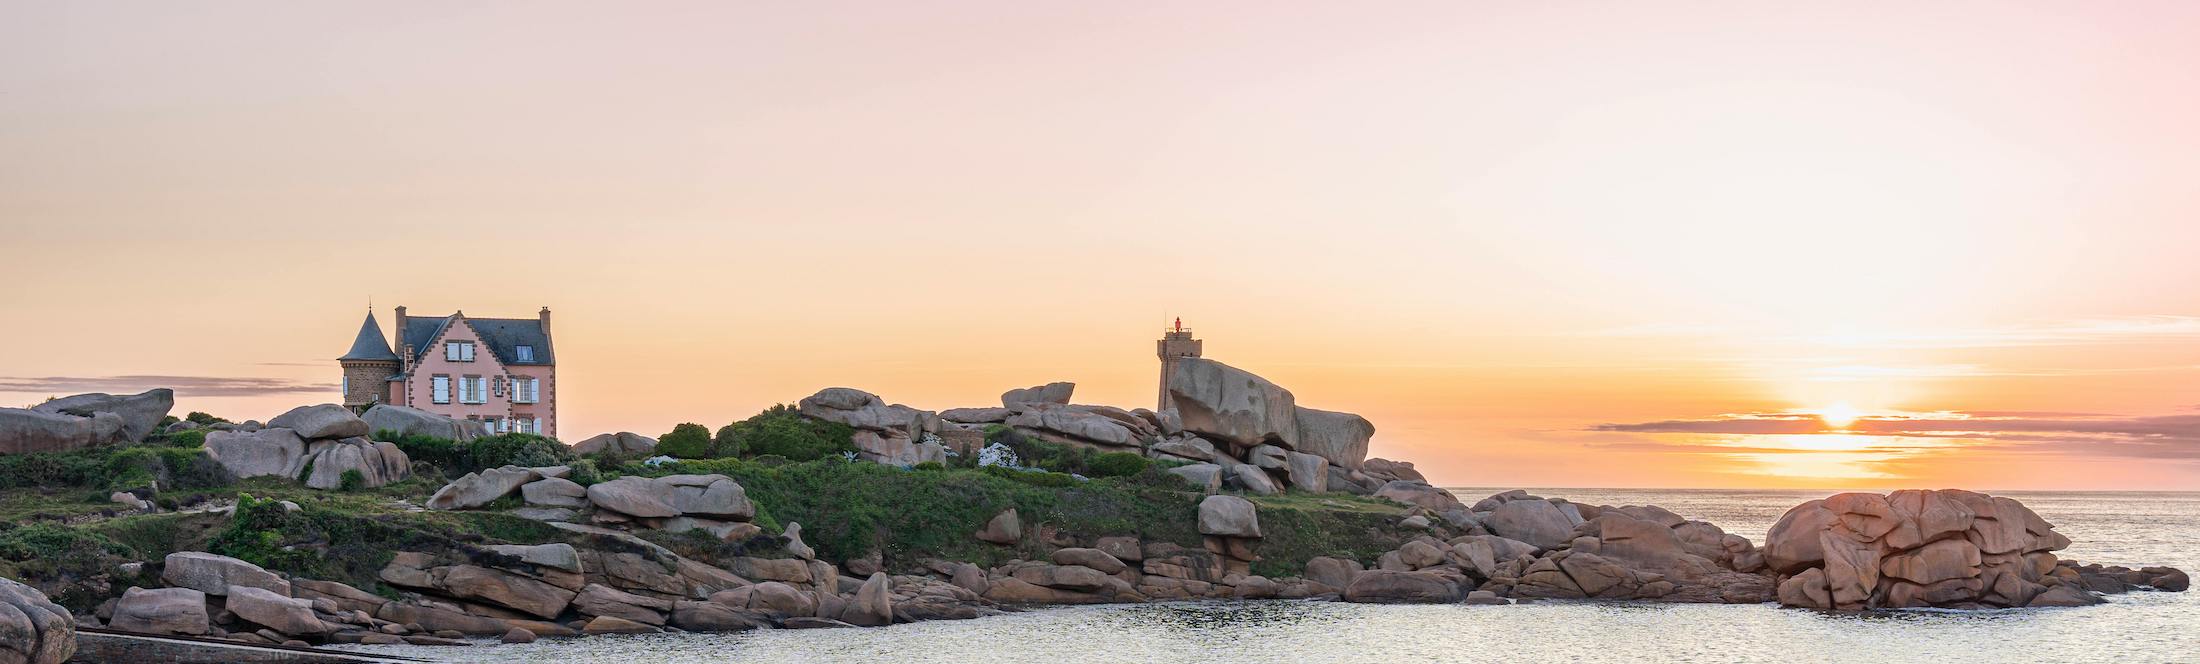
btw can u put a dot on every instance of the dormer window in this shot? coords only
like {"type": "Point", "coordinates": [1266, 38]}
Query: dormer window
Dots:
{"type": "Point", "coordinates": [459, 351]}
{"type": "Point", "coordinates": [523, 353]}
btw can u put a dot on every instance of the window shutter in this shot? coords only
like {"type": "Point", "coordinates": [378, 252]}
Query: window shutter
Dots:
{"type": "Point", "coordinates": [538, 426]}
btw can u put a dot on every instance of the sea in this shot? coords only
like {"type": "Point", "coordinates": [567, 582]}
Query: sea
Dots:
{"type": "Point", "coordinates": [2131, 529]}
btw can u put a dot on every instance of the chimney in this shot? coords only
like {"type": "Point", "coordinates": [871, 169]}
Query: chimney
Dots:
{"type": "Point", "coordinates": [545, 314]}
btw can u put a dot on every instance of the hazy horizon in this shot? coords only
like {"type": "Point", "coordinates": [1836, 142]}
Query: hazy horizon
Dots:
{"type": "Point", "coordinates": [1563, 246]}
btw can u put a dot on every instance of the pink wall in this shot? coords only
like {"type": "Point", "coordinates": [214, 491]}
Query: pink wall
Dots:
{"type": "Point", "coordinates": [546, 406]}
{"type": "Point", "coordinates": [420, 390]}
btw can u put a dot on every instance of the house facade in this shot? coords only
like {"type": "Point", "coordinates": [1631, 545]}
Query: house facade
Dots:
{"type": "Point", "coordinates": [500, 371]}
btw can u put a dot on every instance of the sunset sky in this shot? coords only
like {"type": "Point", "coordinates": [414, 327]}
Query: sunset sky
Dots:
{"type": "Point", "coordinates": [1538, 244]}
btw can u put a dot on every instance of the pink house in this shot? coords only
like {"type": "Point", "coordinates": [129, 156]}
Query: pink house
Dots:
{"type": "Point", "coordinates": [495, 370]}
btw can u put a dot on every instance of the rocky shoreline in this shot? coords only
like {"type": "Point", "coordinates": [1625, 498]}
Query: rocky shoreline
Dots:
{"type": "Point", "coordinates": [1237, 452]}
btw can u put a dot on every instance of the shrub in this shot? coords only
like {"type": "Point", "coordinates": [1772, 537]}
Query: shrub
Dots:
{"type": "Point", "coordinates": [782, 430]}
{"type": "Point", "coordinates": [203, 419]}
{"type": "Point", "coordinates": [187, 438]}
{"type": "Point", "coordinates": [929, 465]}
{"type": "Point", "coordinates": [351, 480]}
{"type": "Point", "coordinates": [513, 449]}
{"type": "Point", "coordinates": [687, 441]}
{"type": "Point", "coordinates": [1116, 464]}
{"type": "Point", "coordinates": [584, 472]}
{"type": "Point", "coordinates": [456, 459]}
{"type": "Point", "coordinates": [727, 442]}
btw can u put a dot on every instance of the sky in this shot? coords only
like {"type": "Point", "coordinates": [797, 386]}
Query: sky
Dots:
{"type": "Point", "coordinates": [1656, 244]}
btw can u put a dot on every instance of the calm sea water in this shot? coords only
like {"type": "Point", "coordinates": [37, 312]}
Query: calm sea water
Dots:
{"type": "Point", "coordinates": [2112, 528]}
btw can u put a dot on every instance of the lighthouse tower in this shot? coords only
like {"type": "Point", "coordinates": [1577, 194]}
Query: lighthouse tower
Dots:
{"type": "Point", "coordinates": [1176, 343]}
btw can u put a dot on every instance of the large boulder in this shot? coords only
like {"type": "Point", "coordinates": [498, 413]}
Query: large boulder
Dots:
{"type": "Point", "coordinates": [1228, 516]}
{"type": "Point", "coordinates": [634, 496]}
{"type": "Point", "coordinates": [266, 452]}
{"type": "Point", "coordinates": [554, 492]}
{"type": "Point", "coordinates": [715, 496]}
{"type": "Point", "coordinates": [161, 611]}
{"type": "Point", "coordinates": [1250, 478]}
{"type": "Point", "coordinates": [976, 415]}
{"type": "Point", "coordinates": [1205, 476]}
{"type": "Point", "coordinates": [1537, 522]}
{"type": "Point", "coordinates": [1339, 437]}
{"type": "Point", "coordinates": [1004, 528]}
{"type": "Point", "coordinates": [1393, 586]}
{"type": "Point", "coordinates": [215, 574]}
{"type": "Point", "coordinates": [873, 603]}
{"type": "Point", "coordinates": [477, 489]}
{"type": "Point", "coordinates": [624, 443]}
{"type": "Point", "coordinates": [1223, 402]}
{"type": "Point", "coordinates": [321, 421]}
{"type": "Point", "coordinates": [1076, 425]}
{"type": "Point", "coordinates": [282, 613]}
{"type": "Point", "coordinates": [33, 630]}
{"type": "Point", "coordinates": [1050, 393]}
{"type": "Point", "coordinates": [378, 463]}
{"type": "Point", "coordinates": [1422, 495]}
{"type": "Point", "coordinates": [24, 430]}
{"type": "Point", "coordinates": [864, 410]}
{"type": "Point", "coordinates": [1308, 472]}
{"type": "Point", "coordinates": [141, 413]}
{"type": "Point", "coordinates": [415, 422]}
{"type": "Point", "coordinates": [503, 588]}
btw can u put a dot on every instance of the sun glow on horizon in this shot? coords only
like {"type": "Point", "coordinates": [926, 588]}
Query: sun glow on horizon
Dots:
{"type": "Point", "coordinates": [1838, 416]}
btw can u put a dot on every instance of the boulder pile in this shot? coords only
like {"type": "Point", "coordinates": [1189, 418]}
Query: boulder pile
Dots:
{"type": "Point", "coordinates": [675, 503]}
{"type": "Point", "coordinates": [1947, 548]}
{"type": "Point", "coordinates": [326, 438]}
{"type": "Point", "coordinates": [1234, 429]}
{"type": "Point", "coordinates": [83, 420]}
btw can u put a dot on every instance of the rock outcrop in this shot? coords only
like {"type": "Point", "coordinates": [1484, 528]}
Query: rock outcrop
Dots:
{"type": "Point", "coordinates": [624, 443]}
{"type": "Point", "coordinates": [1050, 393]}
{"type": "Point", "coordinates": [415, 422]}
{"type": "Point", "coordinates": [33, 630]}
{"type": "Point", "coordinates": [334, 447]}
{"type": "Point", "coordinates": [1916, 548]}
{"type": "Point", "coordinates": [140, 413]}
{"type": "Point", "coordinates": [1226, 403]}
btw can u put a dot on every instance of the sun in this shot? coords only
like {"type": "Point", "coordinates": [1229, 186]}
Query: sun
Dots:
{"type": "Point", "coordinates": [1838, 416]}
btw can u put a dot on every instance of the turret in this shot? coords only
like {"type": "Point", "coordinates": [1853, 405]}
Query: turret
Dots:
{"type": "Point", "coordinates": [368, 366]}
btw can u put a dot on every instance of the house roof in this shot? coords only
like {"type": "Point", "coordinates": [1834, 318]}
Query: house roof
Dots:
{"type": "Point", "coordinates": [501, 335]}
{"type": "Point", "coordinates": [369, 345]}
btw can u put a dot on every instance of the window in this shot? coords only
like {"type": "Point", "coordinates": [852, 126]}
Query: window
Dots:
{"type": "Point", "coordinates": [526, 390]}
{"type": "Point", "coordinates": [347, 386]}
{"type": "Point", "coordinates": [439, 389]}
{"type": "Point", "coordinates": [523, 354]}
{"type": "Point", "coordinates": [521, 425]}
{"type": "Point", "coordinates": [471, 389]}
{"type": "Point", "coordinates": [458, 351]}
{"type": "Point", "coordinates": [504, 426]}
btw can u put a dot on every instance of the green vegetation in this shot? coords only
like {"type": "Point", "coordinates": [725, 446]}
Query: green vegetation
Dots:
{"type": "Point", "coordinates": [687, 440]}
{"type": "Point", "coordinates": [112, 469]}
{"type": "Point", "coordinates": [455, 459]}
{"type": "Point", "coordinates": [351, 540]}
{"type": "Point", "coordinates": [351, 480]}
{"type": "Point", "coordinates": [187, 438]}
{"type": "Point", "coordinates": [1300, 526]}
{"type": "Point", "coordinates": [1072, 459]}
{"type": "Point", "coordinates": [849, 509]}
{"type": "Point", "coordinates": [203, 419]}
{"type": "Point", "coordinates": [782, 431]}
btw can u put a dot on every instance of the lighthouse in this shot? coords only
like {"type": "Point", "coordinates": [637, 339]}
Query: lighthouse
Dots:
{"type": "Point", "coordinates": [1176, 343]}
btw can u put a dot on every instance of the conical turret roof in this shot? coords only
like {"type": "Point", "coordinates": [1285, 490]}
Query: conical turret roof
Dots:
{"type": "Point", "coordinates": [370, 345]}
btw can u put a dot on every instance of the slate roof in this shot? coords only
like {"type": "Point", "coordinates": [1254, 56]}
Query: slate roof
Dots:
{"type": "Point", "coordinates": [501, 335]}
{"type": "Point", "coordinates": [369, 345]}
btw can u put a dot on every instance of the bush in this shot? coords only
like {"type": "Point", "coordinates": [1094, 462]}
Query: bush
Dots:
{"type": "Point", "coordinates": [584, 472]}
{"type": "Point", "coordinates": [1116, 464]}
{"type": "Point", "coordinates": [187, 438]}
{"type": "Point", "coordinates": [727, 443]}
{"type": "Point", "coordinates": [351, 480]}
{"type": "Point", "coordinates": [929, 465]}
{"type": "Point", "coordinates": [782, 431]}
{"type": "Point", "coordinates": [687, 441]}
{"type": "Point", "coordinates": [203, 419]}
{"type": "Point", "coordinates": [456, 459]}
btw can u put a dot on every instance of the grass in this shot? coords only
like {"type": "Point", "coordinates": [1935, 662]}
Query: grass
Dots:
{"type": "Point", "coordinates": [61, 536]}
